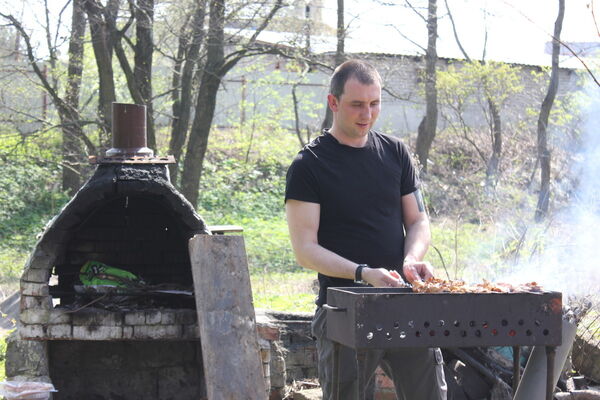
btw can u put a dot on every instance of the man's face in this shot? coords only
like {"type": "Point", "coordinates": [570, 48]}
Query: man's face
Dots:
{"type": "Point", "coordinates": [357, 109]}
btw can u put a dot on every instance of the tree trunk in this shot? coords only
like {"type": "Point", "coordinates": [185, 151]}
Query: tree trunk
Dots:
{"type": "Point", "coordinates": [100, 19]}
{"type": "Point", "coordinates": [71, 146]}
{"type": "Point", "coordinates": [143, 50]}
{"type": "Point", "coordinates": [494, 161]}
{"type": "Point", "coordinates": [205, 105]}
{"type": "Point", "coordinates": [339, 57]}
{"type": "Point", "coordinates": [182, 105]}
{"type": "Point", "coordinates": [215, 68]}
{"type": "Point", "coordinates": [542, 138]}
{"type": "Point", "coordinates": [426, 134]}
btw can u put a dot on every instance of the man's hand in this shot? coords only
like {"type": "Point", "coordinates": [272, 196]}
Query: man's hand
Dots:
{"type": "Point", "coordinates": [417, 270]}
{"type": "Point", "coordinates": [381, 277]}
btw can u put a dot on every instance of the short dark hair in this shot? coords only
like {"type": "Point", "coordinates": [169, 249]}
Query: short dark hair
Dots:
{"type": "Point", "coordinates": [364, 72]}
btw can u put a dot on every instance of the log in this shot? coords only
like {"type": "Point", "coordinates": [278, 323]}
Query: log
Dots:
{"type": "Point", "coordinates": [230, 351]}
{"type": "Point", "coordinates": [578, 395]}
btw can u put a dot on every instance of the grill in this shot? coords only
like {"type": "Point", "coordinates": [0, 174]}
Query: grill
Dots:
{"type": "Point", "coordinates": [365, 318]}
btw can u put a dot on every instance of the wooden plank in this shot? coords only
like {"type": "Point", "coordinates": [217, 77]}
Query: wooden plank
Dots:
{"type": "Point", "coordinates": [230, 351]}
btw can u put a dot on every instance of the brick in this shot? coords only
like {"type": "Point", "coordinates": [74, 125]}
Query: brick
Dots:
{"type": "Point", "coordinates": [153, 317]}
{"type": "Point", "coordinates": [268, 331]}
{"type": "Point", "coordinates": [385, 395]}
{"type": "Point", "coordinates": [95, 332]}
{"type": "Point", "coordinates": [186, 317]}
{"type": "Point", "coordinates": [190, 332]}
{"type": "Point", "coordinates": [37, 302]}
{"type": "Point", "coordinates": [265, 355]}
{"type": "Point", "coordinates": [382, 381]}
{"type": "Point", "coordinates": [63, 331]}
{"type": "Point", "coordinates": [33, 316]}
{"type": "Point", "coordinates": [97, 317]}
{"type": "Point", "coordinates": [59, 317]}
{"type": "Point", "coordinates": [128, 332]}
{"type": "Point", "coordinates": [57, 235]}
{"type": "Point", "coordinates": [42, 256]}
{"type": "Point", "coordinates": [32, 332]}
{"type": "Point", "coordinates": [36, 275]}
{"type": "Point", "coordinates": [34, 289]}
{"type": "Point", "coordinates": [135, 318]}
{"type": "Point", "coordinates": [157, 332]}
{"type": "Point", "coordinates": [168, 318]}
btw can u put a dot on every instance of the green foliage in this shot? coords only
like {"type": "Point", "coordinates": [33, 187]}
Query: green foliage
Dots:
{"type": "Point", "coordinates": [3, 336]}
{"type": "Point", "coordinates": [29, 197]}
{"type": "Point", "coordinates": [248, 190]}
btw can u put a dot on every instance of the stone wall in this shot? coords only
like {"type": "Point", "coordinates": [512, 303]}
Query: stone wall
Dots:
{"type": "Point", "coordinates": [132, 370]}
{"type": "Point", "coordinates": [293, 353]}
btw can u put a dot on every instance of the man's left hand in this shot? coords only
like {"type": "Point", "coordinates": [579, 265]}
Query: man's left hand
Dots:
{"type": "Point", "coordinates": [417, 270]}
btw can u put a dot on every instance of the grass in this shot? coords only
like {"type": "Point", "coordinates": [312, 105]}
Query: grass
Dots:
{"type": "Point", "coordinates": [284, 291]}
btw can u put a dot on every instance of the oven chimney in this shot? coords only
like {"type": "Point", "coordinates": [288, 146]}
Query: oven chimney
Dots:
{"type": "Point", "coordinates": [129, 131]}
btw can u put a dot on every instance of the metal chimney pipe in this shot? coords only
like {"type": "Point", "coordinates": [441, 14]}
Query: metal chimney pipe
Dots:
{"type": "Point", "coordinates": [129, 131]}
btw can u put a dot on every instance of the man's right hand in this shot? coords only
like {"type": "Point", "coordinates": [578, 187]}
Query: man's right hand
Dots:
{"type": "Point", "coordinates": [381, 277]}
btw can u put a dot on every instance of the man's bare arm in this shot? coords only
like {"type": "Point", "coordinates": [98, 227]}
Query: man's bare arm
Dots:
{"type": "Point", "coordinates": [418, 237]}
{"type": "Point", "coordinates": [303, 223]}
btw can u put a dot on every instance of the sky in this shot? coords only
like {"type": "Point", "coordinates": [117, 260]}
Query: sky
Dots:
{"type": "Point", "coordinates": [517, 30]}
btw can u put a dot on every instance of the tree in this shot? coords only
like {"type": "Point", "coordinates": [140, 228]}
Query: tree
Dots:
{"type": "Point", "coordinates": [102, 20]}
{"type": "Point", "coordinates": [339, 56]}
{"type": "Point", "coordinates": [542, 126]}
{"type": "Point", "coordinates": [215, 68]}
{"type": "Point", "coordinates": [487, 86]}
{"type": "Point", "coordinates": [67, 105]}
{"type": "Point", "coordinates": [495, 121]}
{"type": "Point", "coordinates": [186, 61]}
{"type": "Point", "coordinates": [71, 145]}
{"type": "Point", "coordinates": [427, 127]}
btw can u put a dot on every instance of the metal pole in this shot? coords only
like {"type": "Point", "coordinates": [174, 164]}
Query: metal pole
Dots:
{"type": "Point", "coordinates": [550, 356]}
{"type": "Point", "coordinates": [516, 368]}
{"type": "Point", "coordinates": [361, 370]}
{"type": "Point", "coordinates": [335, 384]}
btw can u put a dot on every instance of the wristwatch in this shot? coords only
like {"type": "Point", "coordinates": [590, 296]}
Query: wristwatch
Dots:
{"type": "Point", "coordinates": [358, 274]}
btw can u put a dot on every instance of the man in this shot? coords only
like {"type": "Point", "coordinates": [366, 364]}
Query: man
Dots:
{"type": "Point", "coordinates": [355, 214]}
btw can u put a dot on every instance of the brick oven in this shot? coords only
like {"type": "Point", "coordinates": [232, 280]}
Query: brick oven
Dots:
{"type": "Point", "coordinates": [130, 343]}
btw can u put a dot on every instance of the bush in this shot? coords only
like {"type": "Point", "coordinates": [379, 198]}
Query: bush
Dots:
{"type": "Point", "coordinates": [29, 197]}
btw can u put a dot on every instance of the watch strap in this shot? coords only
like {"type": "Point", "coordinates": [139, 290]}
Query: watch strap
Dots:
{"type": "Point", "coordinates": [358, 273]}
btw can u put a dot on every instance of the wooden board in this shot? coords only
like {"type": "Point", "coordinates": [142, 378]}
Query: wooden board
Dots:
{"type": "Point", "coordinates": [230, 352]}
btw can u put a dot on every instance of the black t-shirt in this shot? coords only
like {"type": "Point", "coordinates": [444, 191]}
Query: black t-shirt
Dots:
{"type": "Point", "coordinates": [359, 191]}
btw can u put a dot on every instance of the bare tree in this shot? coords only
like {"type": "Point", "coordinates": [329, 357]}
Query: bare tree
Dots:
{"type": "Point", "coordinates": [216, 67]}
{"type": "Point", "coordinates": [495, 120]}
{"type": "Point", "coordinates": [188, 58]}
{"type": "Point", "coordinates": [542, 126]}
{"type": "Point", "coordinates": [71, 145]}
{"type": "Point", "coordinates": [143, 52]}
{"type": "Point", "coordinates": [340, 56]}
{"type": "Point", "coordinates": [427, 127]}
{"type": "Point", "coordinates": [67, 106]}
{"type": "Point", "coordinates": [102, 19]}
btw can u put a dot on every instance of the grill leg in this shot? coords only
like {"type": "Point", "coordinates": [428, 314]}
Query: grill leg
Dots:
{"type": "Point", "coordinates": [550, 355]}
{"type": "Point", "coordinates": [361, 356]}
{"type": "Point", "coordinates": [335, 384]}
{"type": "Point", "coordinates": [516, 368]}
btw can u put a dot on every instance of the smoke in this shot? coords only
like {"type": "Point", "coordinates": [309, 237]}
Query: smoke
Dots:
{"type": "Point", "coordinates": [570, 261]}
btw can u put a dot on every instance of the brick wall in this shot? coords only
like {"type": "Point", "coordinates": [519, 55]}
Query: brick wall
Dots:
{"type": "Point", "coordinates": [293, 353]}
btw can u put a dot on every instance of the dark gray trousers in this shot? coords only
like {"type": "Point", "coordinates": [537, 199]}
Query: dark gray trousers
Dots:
{"type": "Point", "coordinates": [417, 373]}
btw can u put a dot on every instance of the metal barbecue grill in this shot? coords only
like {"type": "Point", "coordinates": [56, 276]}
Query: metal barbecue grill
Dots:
{"type": "Point", "coordinates": [366, 318]}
